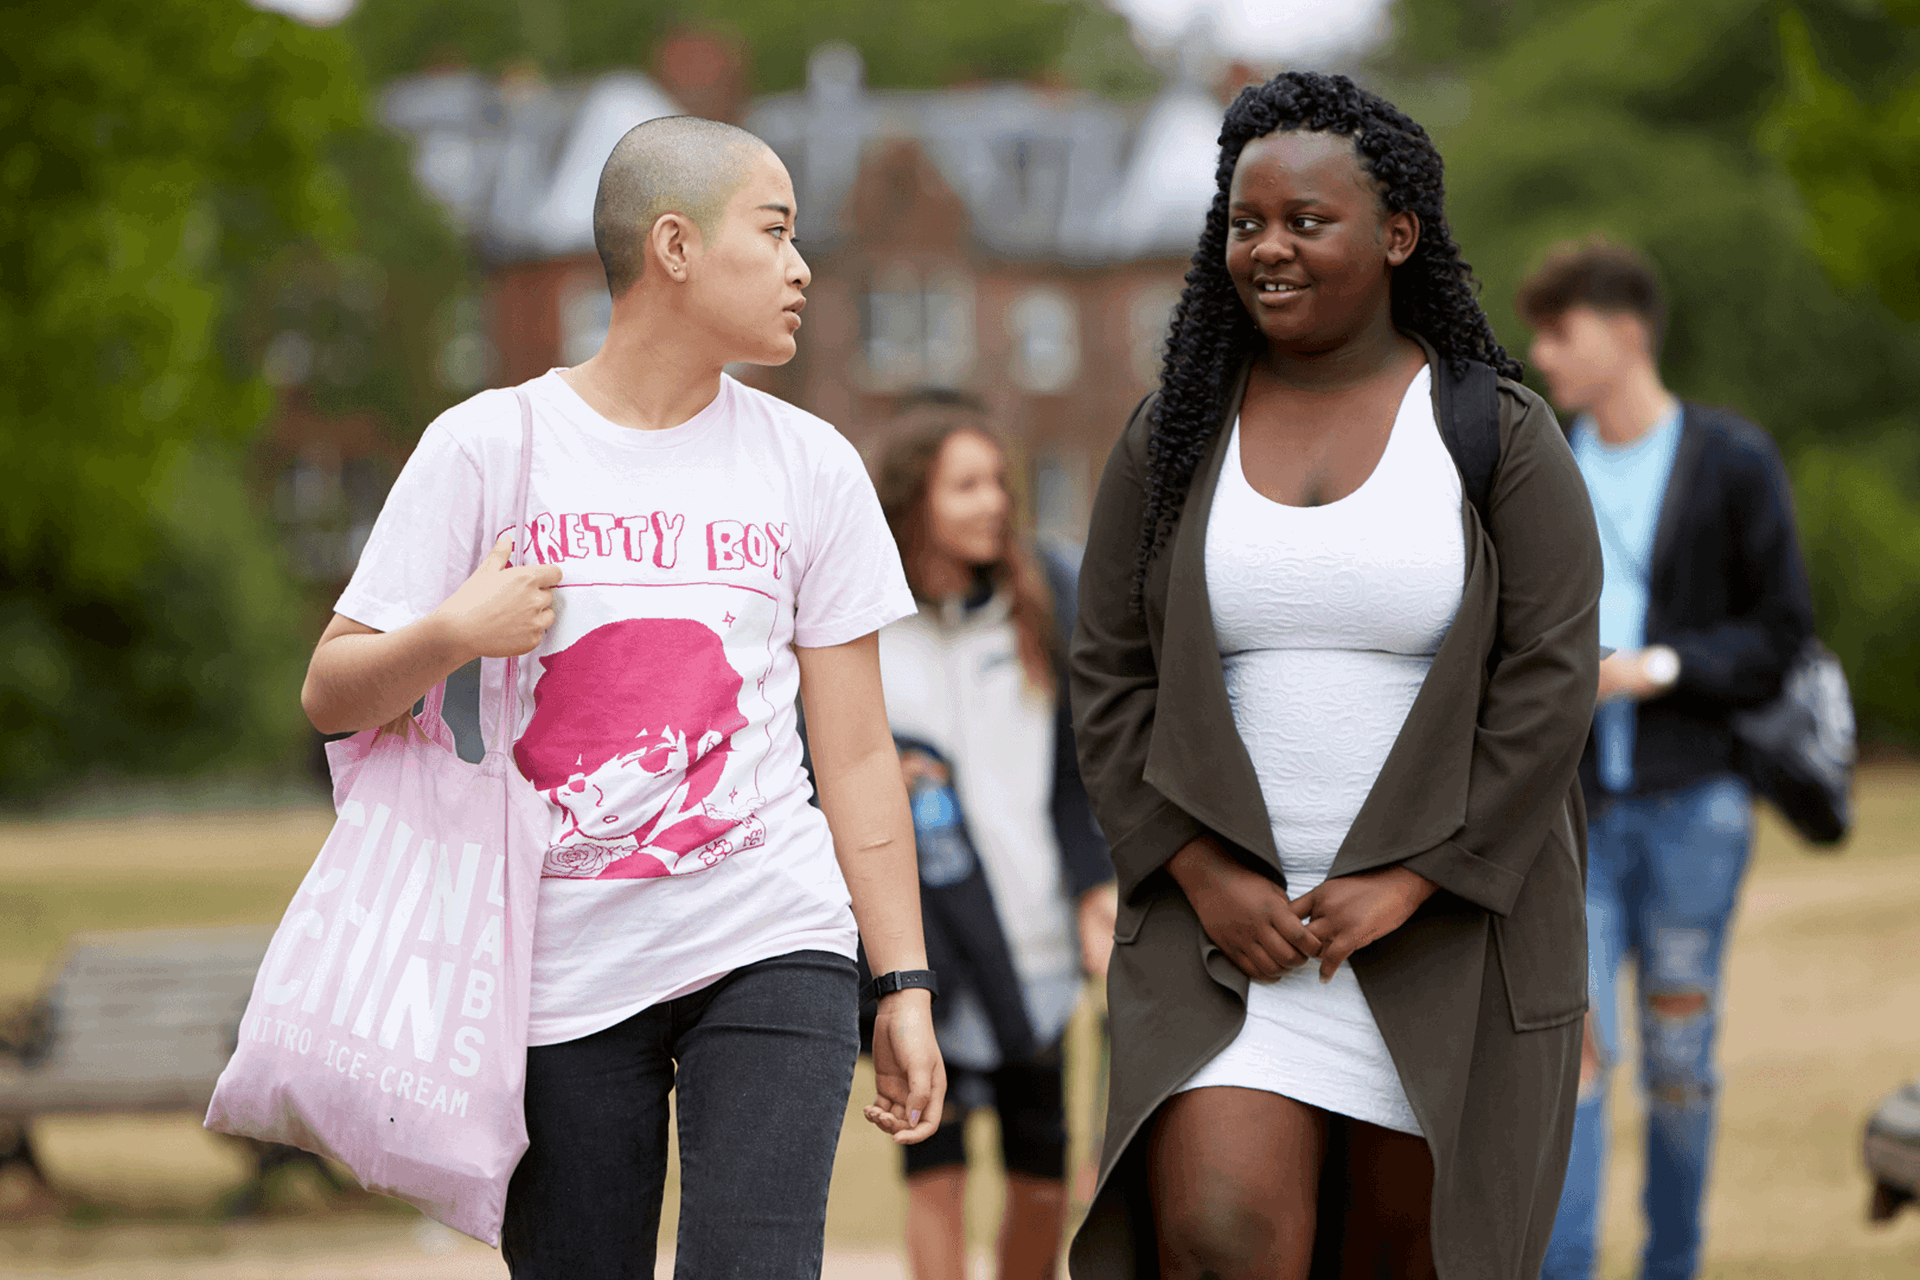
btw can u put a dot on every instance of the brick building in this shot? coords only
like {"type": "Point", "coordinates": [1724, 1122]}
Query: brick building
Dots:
{"type": "Point", "coordinates": [1021, 242]}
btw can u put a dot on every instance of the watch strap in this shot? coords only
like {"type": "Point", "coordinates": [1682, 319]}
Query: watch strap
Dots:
{"type": "Point", "coordinates": [900, 980]}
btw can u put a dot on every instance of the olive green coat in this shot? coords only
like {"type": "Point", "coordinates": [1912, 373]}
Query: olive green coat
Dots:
{"type": "Point", "coordinates": [1479, 996]}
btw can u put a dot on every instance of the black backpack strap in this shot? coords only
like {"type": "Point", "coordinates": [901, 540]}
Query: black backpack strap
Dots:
{"type": "Point", "coordinates": [1470, 426]}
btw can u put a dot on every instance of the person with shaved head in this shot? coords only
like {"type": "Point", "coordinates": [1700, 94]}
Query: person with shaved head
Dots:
{"type": "Point", "coordinates": [678, 164]}
{"type": "Point", "coordinates": [693, 557]}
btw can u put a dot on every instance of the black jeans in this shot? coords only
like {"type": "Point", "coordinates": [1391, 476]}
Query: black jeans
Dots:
{"type": "Point", "coordinates": [764, 1062]}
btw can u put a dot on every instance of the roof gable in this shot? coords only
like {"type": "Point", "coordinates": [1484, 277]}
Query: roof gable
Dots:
{"type": "Point", "coordinates": [1035, 172]}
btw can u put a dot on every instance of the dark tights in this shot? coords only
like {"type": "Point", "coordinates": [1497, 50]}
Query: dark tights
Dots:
{"type": "Point", "coordinates": [1252, 1184]}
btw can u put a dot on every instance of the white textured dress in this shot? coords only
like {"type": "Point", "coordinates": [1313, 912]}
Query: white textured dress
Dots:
{"type": "Point", "coordinates": [1328, 619]}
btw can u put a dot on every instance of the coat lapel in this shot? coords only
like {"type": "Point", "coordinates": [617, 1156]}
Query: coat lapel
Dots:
{"type": "Point", "coordinates": [1419, 798]}
{"type": "Point", "coordinates": [1196, 758]}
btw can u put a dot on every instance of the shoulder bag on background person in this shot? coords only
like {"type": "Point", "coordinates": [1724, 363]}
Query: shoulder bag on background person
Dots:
{"type": "Point", "coordinates": [387, 1028]}
{"type": "Point", "coordinates": [1798, 750]}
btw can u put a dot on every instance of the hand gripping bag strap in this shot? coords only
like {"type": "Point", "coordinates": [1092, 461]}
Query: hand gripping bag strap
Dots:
{"type": "Point", "coordinates": [431, 711]}
{"type": "Point", "coordinates": [523, 533]}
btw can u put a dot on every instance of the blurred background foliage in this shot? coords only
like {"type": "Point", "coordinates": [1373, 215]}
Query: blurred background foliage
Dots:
{"type": "Point", "coordinates": [1855, 153]}
{"type": "Point", "coordinates": [1768, 156]}
{"type": "Point", "coordinates": [198, 206]}
{"type": "Point", "coordinates": [175, 177]}
{"type": "Point", "coordinates": [150, 148]}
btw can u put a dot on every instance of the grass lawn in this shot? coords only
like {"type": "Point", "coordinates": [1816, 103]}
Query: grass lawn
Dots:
{"type": "Point", "coordinates": [1822, 1019]}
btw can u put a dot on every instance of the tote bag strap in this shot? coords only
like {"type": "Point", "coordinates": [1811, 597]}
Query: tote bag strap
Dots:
{"type": "Point", "coordinates": [431, 704]}
{"type": "Point", "coordinates": [510, 680]}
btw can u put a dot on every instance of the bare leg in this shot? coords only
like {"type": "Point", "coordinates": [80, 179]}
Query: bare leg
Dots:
{"type": "Point", "coordinates": [1030, 1231]}
{"type": "Point", "coordinates": [937, 1224]}
{"type": "Point", "coordinates": [1234, 1175]}
{"type": "Point", "coordinates": [1389, 1194]}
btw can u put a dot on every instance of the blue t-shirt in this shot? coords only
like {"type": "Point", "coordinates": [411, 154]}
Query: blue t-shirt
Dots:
{"type": "Point", "coordinates": [1627, 484]}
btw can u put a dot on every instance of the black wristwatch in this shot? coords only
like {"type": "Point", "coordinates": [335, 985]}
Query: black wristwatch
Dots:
{"type": "Point", "coordinates": [899, 980]}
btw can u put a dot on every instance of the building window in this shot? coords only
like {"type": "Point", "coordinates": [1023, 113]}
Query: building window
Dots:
{"type": "Point", "coordinates": [586, 311]}
{"type": "Point", "coordinates": [1038, 167]}
{"type": "Point", "coordinates": [947, 310]}
{"type": "Point", "coordinates": [1045, 330]}
{"type": "Point", "coordinates": [917, 332]}
{"type": "Point", "coordinates": [1059, 500]}
{"type": "Point", "coordinates": [1148, 318]}
{"type": "Point", "coordinates": [288, 361]}
{"type": "Point", "coordinates": [326, 509]}
{"type": "Point", "coordinates": [892, 319]}
{"type": "Point", "coordinates": [466, 357]}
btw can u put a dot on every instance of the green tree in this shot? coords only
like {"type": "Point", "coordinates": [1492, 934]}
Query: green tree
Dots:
{"type": "Point", "coordinates": [1856, 158]}
{"type": "Point", "coordinates": [151, 152]}
{"type": "Point", "coordinates": [1638, 118]}
{"type": "Point", "coordinates": [1853, 149]}
{"type": "Point", "coordinates": [906, 43]}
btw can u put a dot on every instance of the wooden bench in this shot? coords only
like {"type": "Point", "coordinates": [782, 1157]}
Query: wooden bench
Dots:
{"type": "Point", "coordinates": [135, 1021]}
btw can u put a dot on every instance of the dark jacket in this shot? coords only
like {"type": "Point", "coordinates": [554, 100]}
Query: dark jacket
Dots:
{"type": "Point", "coordinates": [1083, 850]}
{"type": "Point", "coordinates": [1479, 995]}
{"type": "Point", "coordinates": [1728, 593]}
{"type": "Point", "coordinates": [967, 940]}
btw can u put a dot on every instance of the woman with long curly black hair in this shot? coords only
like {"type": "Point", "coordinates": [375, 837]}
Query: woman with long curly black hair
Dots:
{"type": "Point", "coordinates": [1333, 671]}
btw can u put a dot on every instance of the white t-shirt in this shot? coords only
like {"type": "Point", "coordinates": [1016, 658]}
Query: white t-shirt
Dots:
{"type": "Point", "coordinates": [658, 714]}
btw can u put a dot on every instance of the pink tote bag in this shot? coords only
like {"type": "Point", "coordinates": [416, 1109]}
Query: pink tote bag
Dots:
{"type": "Point", "coordinates": [387, 1028]}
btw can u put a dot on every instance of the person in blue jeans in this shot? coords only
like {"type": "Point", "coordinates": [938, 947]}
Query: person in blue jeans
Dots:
{"type": "Point", "coordinates": [1705, 600]}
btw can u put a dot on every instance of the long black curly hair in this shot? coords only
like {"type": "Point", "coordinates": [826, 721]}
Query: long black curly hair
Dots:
{"type": "Point", "coordinates": [1212, 334]}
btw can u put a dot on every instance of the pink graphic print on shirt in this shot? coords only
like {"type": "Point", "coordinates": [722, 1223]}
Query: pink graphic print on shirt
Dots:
{"type": "Point", "coordinates": [632, 729]}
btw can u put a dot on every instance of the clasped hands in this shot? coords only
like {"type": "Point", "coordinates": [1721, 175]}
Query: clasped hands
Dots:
{"type": "Point", "coordinates": [1265, 935]}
